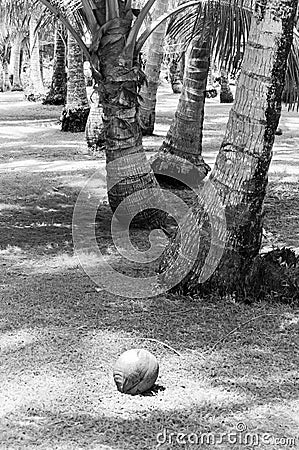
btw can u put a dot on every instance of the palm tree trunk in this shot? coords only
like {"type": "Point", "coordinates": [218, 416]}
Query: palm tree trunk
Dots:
{"type": "Point", "coordinates": [239, 177]}
{"type": "Point", "coordinates": [182, 65]}
{"type": "Point", "coordinates": [57, 93]}
{"type": "Point", "coordinates": [1, 77]}
{"type": "Point", "coordinates": [184, 138]}
{"type": "Point", "coordinates": [35, 90]}
{"type": "Point", "coordinates": [174, 71]}
{"type": "Point", "coordinates": [226, 95]}
{"type": "Point", "coordinates": [116, 74]}
{"type": "Point", "coordinates": [74, 115]}
{"type": "Point", "coordinates": [94, 130]}
{"type": "Point", "coordinates": [15, 63]}
{"type": "Point", "coordinates": [148, 92]}
{"type": "Point", "coordinates": [6, 86]}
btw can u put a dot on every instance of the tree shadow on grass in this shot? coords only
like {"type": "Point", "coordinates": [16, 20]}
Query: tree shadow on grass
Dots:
{"type": "Point", "coordinates": [207, 426]}
{"type": "Point", "coordinates": [38, 219]}
{"type": "Point", "coordinates": [73, 329]}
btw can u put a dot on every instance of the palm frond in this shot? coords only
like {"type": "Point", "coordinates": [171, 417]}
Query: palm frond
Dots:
{"type": "Point", "coordinates": [65, 9]}
{"type": "Point", "coordinates": [290, 94]}
{"type": "Point", "coordinates": [229, 21]}
{"type": "Point", "coordinates": [138, 23]}
{"type": "Point", "coordinates": [144, 36]}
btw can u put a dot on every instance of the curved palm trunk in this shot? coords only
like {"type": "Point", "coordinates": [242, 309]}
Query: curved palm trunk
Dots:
{"type": "Point", "coordinates": [184, 138]}
{"type": "Point", "coordinates": [35, 90]}
{"type": "Point", "coordinates": [16, 63]}
{"type": "Point", "coordinates": [239, 178]}
{"type": "Point", "coordinates": [57, 92]}
{"type": "Point", "coordinates": [148, 92]}
{"type": "Point", "coordinates": [226, 95]}
{"type": "Point", "coordinates": [75, 114]}
{"type": "Point", "coordinates": [116, 74]}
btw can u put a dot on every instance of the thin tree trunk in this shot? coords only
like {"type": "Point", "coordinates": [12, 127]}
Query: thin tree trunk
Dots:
{"type": "Point", "coordinates": [182, 65]}
{"type": "Point", "coordinates": [16, 63]}
{"type": "Point", "coordinates": [6, 85]}
{"type": "Point", "coordinates": [239, 177]}
{"type": "Point", "coordinates": [35, 90]}
{"type": "Point", "coordinates": [1, 77]}
{"type": "Point", "coordinates": [148, 92]}
{"type": "Point", "coordinates": [57, 92]}
{"type": "Point", "coordinates": [184, 138]}
{"type": "Point", "coordinates": [226, 95]}
{"type": "Point", "coordinates": [174, 71]}
{"type": "Point", "coordinates": [211, 91]}
{"type": "Point", "coordinates": [74, 115]}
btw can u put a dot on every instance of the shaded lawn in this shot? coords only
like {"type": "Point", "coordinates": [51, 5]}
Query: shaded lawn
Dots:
{"type": "Point", "coordinates": [60, 333]}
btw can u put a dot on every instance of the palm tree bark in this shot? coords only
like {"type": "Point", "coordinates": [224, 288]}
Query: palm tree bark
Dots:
{"type": "Point", "coordinates": [74, 115]}
{"type": "Point", "coordinates": [57, 92]}
{"type": "Point", "coordinates": [184, 138]}
{"type": "Point", "coordinates": [6, 86]}
{"type": "Point", "coordinates": [239, 177]}
{"type": "Point", "coordinates": [116, 73]}
{"type": "Point", "coordinates": [15, 62]}
{"type": "Point", "coordinates": [35, 90]}
{"type": "Point", "coordinates": [148, 92]}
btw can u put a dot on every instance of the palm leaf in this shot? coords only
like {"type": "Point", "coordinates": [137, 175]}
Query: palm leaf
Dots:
{"type": "Point", "coordinates": [232, 23]}
{"type": "Point", "coordinates": [145, 35]}
{"type": "Point", "coordinates": [291, 90]}
{"type": "Point", "coordinates": [228, 20]}
{"type": "Point", "coordinates": [58, 11]}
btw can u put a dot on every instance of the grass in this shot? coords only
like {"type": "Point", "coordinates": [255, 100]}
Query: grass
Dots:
{"type": "Point", "coordinates": [61, 333]}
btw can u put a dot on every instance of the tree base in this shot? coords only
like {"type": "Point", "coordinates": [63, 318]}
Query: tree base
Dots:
{"type": "Point", "coordinates": [211, 93]}
{"type": "Point", "coordinates": [17, 87]}
{"type": "Point", "coordinates": [54, 100]}
{"type": "Point", "coordinates": [97, 151]}
{"type": "Point", "coordinates": [176, 87]}
{"type": "Point", "coordinates": [34, 97]}
{"type": "Point", "coordinates": [74, 120]}
{"type": "Point", "coordinates": [226, 98]}
{"type": "Point", "coordinates": [147, 130]}
{"type": "Point", "coordinates": [274, 276]}
{"type": "Point", "coordinates": [177, 171]}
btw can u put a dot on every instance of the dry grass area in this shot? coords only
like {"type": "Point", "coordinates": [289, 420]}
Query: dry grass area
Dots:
{"type": "Point", "coordinates": [61, 333]}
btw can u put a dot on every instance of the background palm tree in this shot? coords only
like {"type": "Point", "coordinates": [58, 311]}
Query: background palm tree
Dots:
{"type": "Point", "coordinates": [57, 92]}
{"type": "Point", "coordinates": [4, 60]}
{"type": "Point", "coordinates": [226, 95]}
{"type": "Point", "coordinates": [15, 61]}
{"type": "Point", "coordinates": [35, 89]}
{"type": "Point", "coordinates": [184, 138]}
{"type": "Point", "coordinates": [154, 57]}
{"type": "Point", "coordinates": [94, 130]}
{"type": "Point", "coordinates": [211, 23]}
{"type": "Point", "coordinates": [75, 113]}
{"type": "Point", "coordinates": [239, 177]}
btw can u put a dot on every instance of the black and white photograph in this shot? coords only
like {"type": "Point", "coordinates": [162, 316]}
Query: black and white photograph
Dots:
{"type": "Point", "coordinates": [149, 224]}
